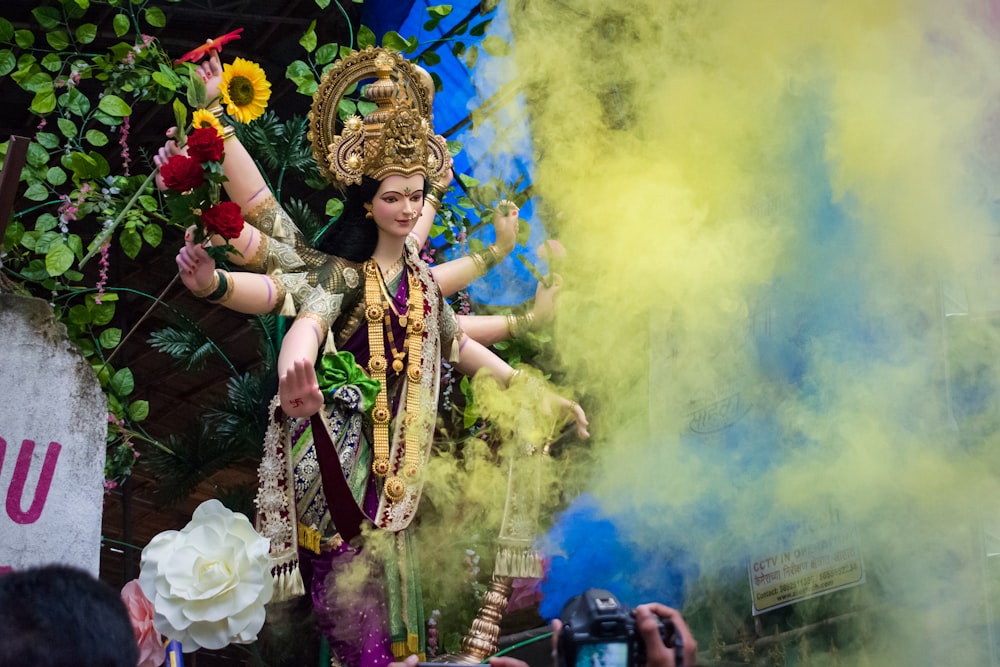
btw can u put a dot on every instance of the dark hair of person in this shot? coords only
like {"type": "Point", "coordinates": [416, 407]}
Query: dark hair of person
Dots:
{"type": "Point", "coordinates": [61, 616]}
{"type": "Point", "coordinates": [354, 236]}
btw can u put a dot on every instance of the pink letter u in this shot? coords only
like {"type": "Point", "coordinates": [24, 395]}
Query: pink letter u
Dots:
{"type": "Point", "coordinates": [20, 479]}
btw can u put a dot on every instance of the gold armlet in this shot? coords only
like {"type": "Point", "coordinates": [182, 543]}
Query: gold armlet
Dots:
{"type": "Point", "coordinates": [205, 291]}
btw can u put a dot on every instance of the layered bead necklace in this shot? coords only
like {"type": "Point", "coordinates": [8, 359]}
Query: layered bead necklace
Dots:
{"type": "Point", "coordinates": [378, 309]}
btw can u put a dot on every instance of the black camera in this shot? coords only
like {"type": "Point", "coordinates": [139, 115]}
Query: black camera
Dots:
{"type": "Point", "coordinates": [599, 631]}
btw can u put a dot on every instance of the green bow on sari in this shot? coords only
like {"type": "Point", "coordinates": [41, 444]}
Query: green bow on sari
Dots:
{"type": "Point", "coordinates": [340, 369]}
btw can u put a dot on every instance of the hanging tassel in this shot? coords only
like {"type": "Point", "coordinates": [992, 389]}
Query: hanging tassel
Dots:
{"type": "Point", "coordinates": [288, 308]}
{"type": "Point", "coordinates": [287, 582]}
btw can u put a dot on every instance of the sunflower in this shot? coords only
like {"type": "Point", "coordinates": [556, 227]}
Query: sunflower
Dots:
{"type": "Point", "coordinates": [245, 90]}
{"type": "Point", "coordinates": [205, 118]}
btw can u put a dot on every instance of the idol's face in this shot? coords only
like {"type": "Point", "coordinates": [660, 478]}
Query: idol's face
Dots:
{"type": "Point", "coordinates": [397, 203]}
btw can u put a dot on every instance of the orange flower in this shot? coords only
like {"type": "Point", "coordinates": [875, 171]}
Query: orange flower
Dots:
{"type": "Point", "coordinates": [196, 54]}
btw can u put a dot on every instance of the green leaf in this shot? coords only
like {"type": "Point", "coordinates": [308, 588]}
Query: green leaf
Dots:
{"type": "Point", "coordinates": [38, 82]}
{"type": "Point", "coordinates": [166, 81]}
{"type": "Point", "coordinates": [439, 11]}
{"type": "Point", "coordinates": [366, 37]}
{"type": "Point", "coordinates": [36, 192]}
{"type": "Point", "coordinates": [58, 259]}
{"type": "Point", "coordinates": [104, 312]}
{"type": "Point", "coordinates": [57, 39]}
{"type": "Point", "coordinates": [79, 315]}
{"type": "Point", "coordinates": [123, 383]}
{"type": "Point", "coordinates": [154, 16]}
{"type": "Point", "coordinates": [148, 203]}
{"type": "Point", "coordinates": [322, 4]}
{"type": "Point", "coordinates": [67, 127]}
{"type": "Point", "coordinates": [468, 181]}
{"type": "Point", "coordinates": [430, 58]}
{"type": "Point", "coordinates": [12, 237]}
{"type": "Point", "coordinates": [86, 33]}
{"type": "Point", "coordinates": [121, 24]}
{"type": "Point", "coordinates": [45, 222]}
{"type": "Point", "coordinates": [496, 46]}
{"type": "Point", "coordinates": [197, 91]}
{"type": "Point", "coordinates": [346, 107]}
{"type": "Point", "coordinates": [298, 72]}
{"type": "Point", "coordinates": [52, 62]}
{"type": "Point", "coordinates": [180, 119]}
{"type": "Point", "coordinates": [75, 102]}
{"type": "Point", "coordinates": [131, 242]}
{"type": "Point", "coordinates": [138, 410]}
{"type": "Point", "coordinates": [393, 41]}
{"type": "Point", "coordinates": [365, 108]}
{"type": "Point", "coordinates": [47, 17]}
{"type": "Point", "coordinates": [454, 147]}
{"type": "Point", "coordinates": [152, 234]}
{"type": "Point", "coordinates": [75, 244]}
{"type": "Point", "coordinates": [472, 56]}
{"type": "Point", "coordinates": [110, 338]}
{"type": "Point", "coordinates": [480, 28]}
{"type": "Point", "coordinates": [24, 38]}
{"type": "Point", "coordinates": [7, 62]}
{"type": "Point", "coordinates": [37, 155]}
{"type": "Point", "coordinates": [114, 106]}
{"type": "Point", "coordinates": [334, 207]}
{"type": "Point", "coordinates": [47, 139]}
{"type": "Point", "coordinates": [43, 102]}
{"type": "Point", "coordinates": [56, 176]}
{"type": "Point", "coordinates": [97, 138]}
{"type": "Point", "coordinates": [6, 30]}
{"type": "Point", "coordinates": [325, 54]}
{"type": "Point", "coordinates": [308, 39]}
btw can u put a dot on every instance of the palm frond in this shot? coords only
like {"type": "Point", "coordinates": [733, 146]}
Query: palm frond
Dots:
{"type": "Point", "coordinates": [302, 215]}
{"type": "Point", "coordinates": [241, 418]}
{"type": "Point", "coordinates": [186, 343]}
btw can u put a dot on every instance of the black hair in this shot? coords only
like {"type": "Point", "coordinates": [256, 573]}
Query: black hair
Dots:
{"type": "Point", "coordinates": [61, 616]}
{"type": "Point", "coordinates": [354, 236]}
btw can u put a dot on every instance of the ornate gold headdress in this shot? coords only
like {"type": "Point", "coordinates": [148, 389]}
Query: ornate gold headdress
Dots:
{"type": "Point", "coordinates": [396, 138]}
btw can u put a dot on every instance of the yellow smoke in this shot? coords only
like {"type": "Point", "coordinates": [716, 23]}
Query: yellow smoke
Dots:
{"type": "Point", "coordinates": [775, 204]}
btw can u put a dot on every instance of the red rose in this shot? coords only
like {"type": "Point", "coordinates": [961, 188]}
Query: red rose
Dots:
{"type": "Point", "coordinates": [224, 219]}
{"type": "Point", "coordinates": [205, 145]}
{"type": "Point", "coordinates": [182, 173]}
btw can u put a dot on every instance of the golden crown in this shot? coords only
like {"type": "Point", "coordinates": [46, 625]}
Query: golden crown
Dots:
{"type": "Point", "coordinates": [396, 138]}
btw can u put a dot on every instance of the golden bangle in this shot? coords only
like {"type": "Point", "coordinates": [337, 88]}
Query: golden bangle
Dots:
{"type": "Point", "coordinates": [205, 291]}
{"type": "Point", "coordinates": [433, 200]}
{"type": "Point", "coordinates": [216, 110]}
{"type": "Point", "coordinates": [480, 262]}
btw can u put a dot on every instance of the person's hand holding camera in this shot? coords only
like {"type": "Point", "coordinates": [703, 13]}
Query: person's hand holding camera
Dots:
{"type": "Point", "coordinates": [658, 654]}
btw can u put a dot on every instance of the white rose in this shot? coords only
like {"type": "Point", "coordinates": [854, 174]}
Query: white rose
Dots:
{"type": "Point", "coordinates": [208, 582]}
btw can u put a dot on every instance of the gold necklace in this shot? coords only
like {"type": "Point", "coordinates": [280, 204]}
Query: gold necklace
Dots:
{"type": "Point", "coordinates": [375, 312]}
{"type": "Point", "coordinates": [392, 303]}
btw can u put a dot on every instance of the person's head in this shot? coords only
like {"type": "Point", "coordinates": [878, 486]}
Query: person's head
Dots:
{"type": "Point", "coordinates": [394, 141]}
{"type": "Point", "coordinates": [392, 205]}
{"type": "Point", "coordinates": [60, 616]}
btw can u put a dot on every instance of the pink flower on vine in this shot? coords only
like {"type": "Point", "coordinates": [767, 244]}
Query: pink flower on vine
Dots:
{"type": "Point", "coordinates": [102, 278]}
{"type": "Point", "coordinates": [123, 141]}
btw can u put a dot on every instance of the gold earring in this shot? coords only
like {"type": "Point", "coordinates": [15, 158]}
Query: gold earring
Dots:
{"type": "Point", "coordinates": [368, 209]}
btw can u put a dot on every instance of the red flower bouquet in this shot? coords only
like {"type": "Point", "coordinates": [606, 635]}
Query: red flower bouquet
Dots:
{"type": "Point", "coordinates": [194, 181]}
